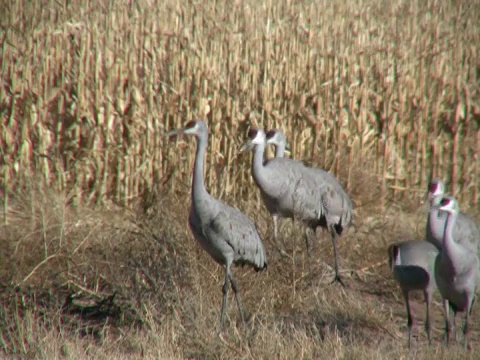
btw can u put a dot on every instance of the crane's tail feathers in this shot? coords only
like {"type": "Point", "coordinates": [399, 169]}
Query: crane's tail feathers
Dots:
{"type": "Point", "coordinates": [393, 252]}
{"type": "Point", "coordinates": [260, 268]}
{"type": "Point", "coordinates": [257, 267]}
{"type": "Point", "coordinates": [338, 228]}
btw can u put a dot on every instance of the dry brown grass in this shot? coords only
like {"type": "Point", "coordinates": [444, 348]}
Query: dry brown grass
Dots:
{"type": "Point", "coordinates": [95, 257]}
{"type": "Point", "coordinates": [110, 283]}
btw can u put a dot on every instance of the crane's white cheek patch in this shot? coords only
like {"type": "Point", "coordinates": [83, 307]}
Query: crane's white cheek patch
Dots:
{"type": "Point", "coordinates": [259, 138]}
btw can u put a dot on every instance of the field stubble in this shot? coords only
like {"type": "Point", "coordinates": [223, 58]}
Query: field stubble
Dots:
{"type": "Point", "coordinates": [112, 283]}
{"type": "Point", "coordinates": [96, 259]}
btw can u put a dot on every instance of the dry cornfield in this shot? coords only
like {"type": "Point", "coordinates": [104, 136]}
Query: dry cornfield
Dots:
{"type": "Point", "coordinates": [384, 95]}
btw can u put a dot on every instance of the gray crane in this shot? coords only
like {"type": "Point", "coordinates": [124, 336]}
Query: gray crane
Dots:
{"type": "Point", "coordinates": [270, 202]}
{"type": "Point", "coordinates": [341, 202]}
{"type": "Point", "coordinates": [466, 231]}
{"type": "Point", "coordinates": [224, 232]}
{"type": "Point", "coordinates": [413, 267]}
{"type": "Point", "coordinates": [278, 139]}
{"type": "Point", "coordinates": [292, 190]}
{"type": "Point", "coordinates": [456, 272]}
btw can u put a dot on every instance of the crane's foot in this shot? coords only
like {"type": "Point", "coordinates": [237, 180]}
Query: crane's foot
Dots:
{"type": "Point", "coordinates": [337, 279]}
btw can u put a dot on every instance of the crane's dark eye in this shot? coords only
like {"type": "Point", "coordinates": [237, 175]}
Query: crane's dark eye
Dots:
{"type": "Point", "coordinates": [433, 187]}
{"type": "Point", "coordinates": [190, 124]}
{"type": "Point", "coordinates": [444, 201]}
{"type": "Point", "coordinates": [252, 133]}
{"type": "Point", "coordinates": [270, 134]}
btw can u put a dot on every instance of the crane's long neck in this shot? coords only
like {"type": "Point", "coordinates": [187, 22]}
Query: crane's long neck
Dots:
{"type": "Point", "coordinates": [198, 182]}
{"type": "Point", "coordinates": [434, 203]}
{"type": "Point", "coordinates": [257, 164]}
{"type": "Point", "coordinates": [436, 221]}
{"type": "Point", "coordinates": [280, 150]}
{"type": "Point", "coordinates": [454, 251]}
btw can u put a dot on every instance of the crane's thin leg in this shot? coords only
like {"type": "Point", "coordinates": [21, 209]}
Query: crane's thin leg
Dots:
{"type": "Point", "coordinates": [466, 328]}
{"type": "Point", "coordinates": [308, 243]}
{"type": "Point", "coordinates": [428, 326]}
{"type": "Point", "coordinates": [454, 327]}
{"type": "Point", "coordinates": [275, 229]}
{"type": "Point", "coordinates": [237, 297]}
{"type": "Point", "coordinates": [409, 318]}
{"type": "Point", "coordinates": [225, 293]}
{"type": "Point", "coordinates": [446, 314]}
{"type": "Point", "coordinates": [309, 232]}
{"type": "Point", "coordinates": [280, 248]}
{"type": "Point", "coordinates": [335, 253]}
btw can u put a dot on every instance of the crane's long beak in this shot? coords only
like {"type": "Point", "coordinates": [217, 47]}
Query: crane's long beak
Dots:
{"type": "Point", "coordinates": [248, 145]}
{"type": "Point", "coordinates": [177, 132]}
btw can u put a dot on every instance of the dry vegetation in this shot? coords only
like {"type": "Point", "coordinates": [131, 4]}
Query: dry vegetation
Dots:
{"type": "Point", "coordinates": [95, 257]}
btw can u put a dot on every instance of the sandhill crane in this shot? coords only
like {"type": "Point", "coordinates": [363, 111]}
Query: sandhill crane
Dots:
{"type": "Point", "coordinates": [456, 271]}
{"type": "Point", "coordinates": [466, 231]}
{"type": "Point", "coordinates": [278, 139]}
{"type": "Point", "coordinates": [292, 190]}
{"type": "Point", "coordinates": [413, 267]}
{"type": "Point", "coordinates": [223, 231]}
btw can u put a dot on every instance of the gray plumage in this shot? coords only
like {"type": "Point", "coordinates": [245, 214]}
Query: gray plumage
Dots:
{"type": "Point", "coordinates": [412, 264]}
{"type": "Point", "coordinates": [466, 231]}
{"type": "Point", "coordinates": [292, 190]}
{"type": "Point", "coordinates": [341, 204]}
{"type": "Point", "coordinates": [456, 272]}
{"type": "Point", "coordinates": [224, 232]}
